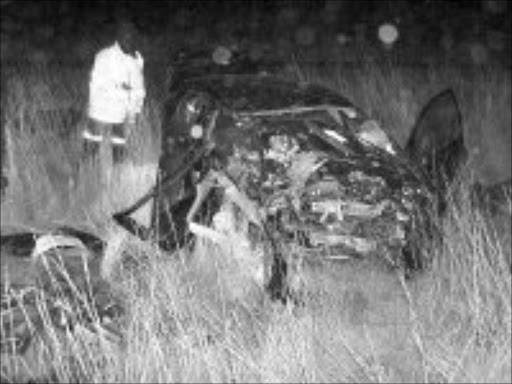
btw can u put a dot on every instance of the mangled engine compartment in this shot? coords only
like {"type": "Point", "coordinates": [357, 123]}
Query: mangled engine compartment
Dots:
{"type": "Point", "coordinates": [326, 192]}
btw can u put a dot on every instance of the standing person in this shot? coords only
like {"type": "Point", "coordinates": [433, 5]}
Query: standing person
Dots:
{"type": "Point", "coordinates": [116, 93]}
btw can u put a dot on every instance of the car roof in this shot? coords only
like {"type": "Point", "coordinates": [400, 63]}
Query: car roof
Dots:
{"type": "Point", "coordinates": [253, 93]}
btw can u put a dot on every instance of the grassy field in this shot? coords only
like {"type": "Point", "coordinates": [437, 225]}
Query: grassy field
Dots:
{"type": "Point", "coordinates": [207, 321]}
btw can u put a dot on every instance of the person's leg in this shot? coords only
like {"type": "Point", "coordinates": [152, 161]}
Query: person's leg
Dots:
{"type": "Point", "coordinates": [92, 137]}
{"type": "Point", "coordinates": [5, 183]}
{"type": "Point", "coordinates": [118, 141]}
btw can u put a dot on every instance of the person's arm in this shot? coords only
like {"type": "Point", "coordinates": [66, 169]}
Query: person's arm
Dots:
{"type": "Point", "coordinates": [138, 90]}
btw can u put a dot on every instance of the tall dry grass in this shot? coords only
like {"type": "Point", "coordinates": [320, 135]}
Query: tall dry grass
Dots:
{"type": "Point", "coordinates": [198, 317]}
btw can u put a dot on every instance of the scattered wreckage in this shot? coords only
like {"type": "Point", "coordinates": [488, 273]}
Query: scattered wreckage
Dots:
{"type": "Point", "coordinates": [309, 172]}
{"type": "Point", "coordinates": [52, 277]}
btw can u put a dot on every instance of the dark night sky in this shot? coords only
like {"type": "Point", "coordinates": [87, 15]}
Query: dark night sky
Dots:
{"type": "Point", "coordinates": [50, 25]}
{"type": "Point", "coordinates": [162, 12]}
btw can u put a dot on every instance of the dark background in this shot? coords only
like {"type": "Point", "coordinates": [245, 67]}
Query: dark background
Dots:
{"type": "Point", "coordinates": [469, 32]}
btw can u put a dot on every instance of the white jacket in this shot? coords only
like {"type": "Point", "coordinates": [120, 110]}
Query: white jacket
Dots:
{"type": "Point", "coordinates": [116, 88]}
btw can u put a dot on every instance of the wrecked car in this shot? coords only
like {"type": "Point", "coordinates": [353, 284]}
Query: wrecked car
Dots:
{"type": "Point", "coordinates": [308, 169]}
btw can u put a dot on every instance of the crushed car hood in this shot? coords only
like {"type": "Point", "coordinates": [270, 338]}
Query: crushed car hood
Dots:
{"type": "Point", "coordinates": [303, 153]}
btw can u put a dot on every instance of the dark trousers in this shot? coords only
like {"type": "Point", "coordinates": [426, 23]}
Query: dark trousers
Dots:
{"type": "Point", "coordinates": [97, 133]}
